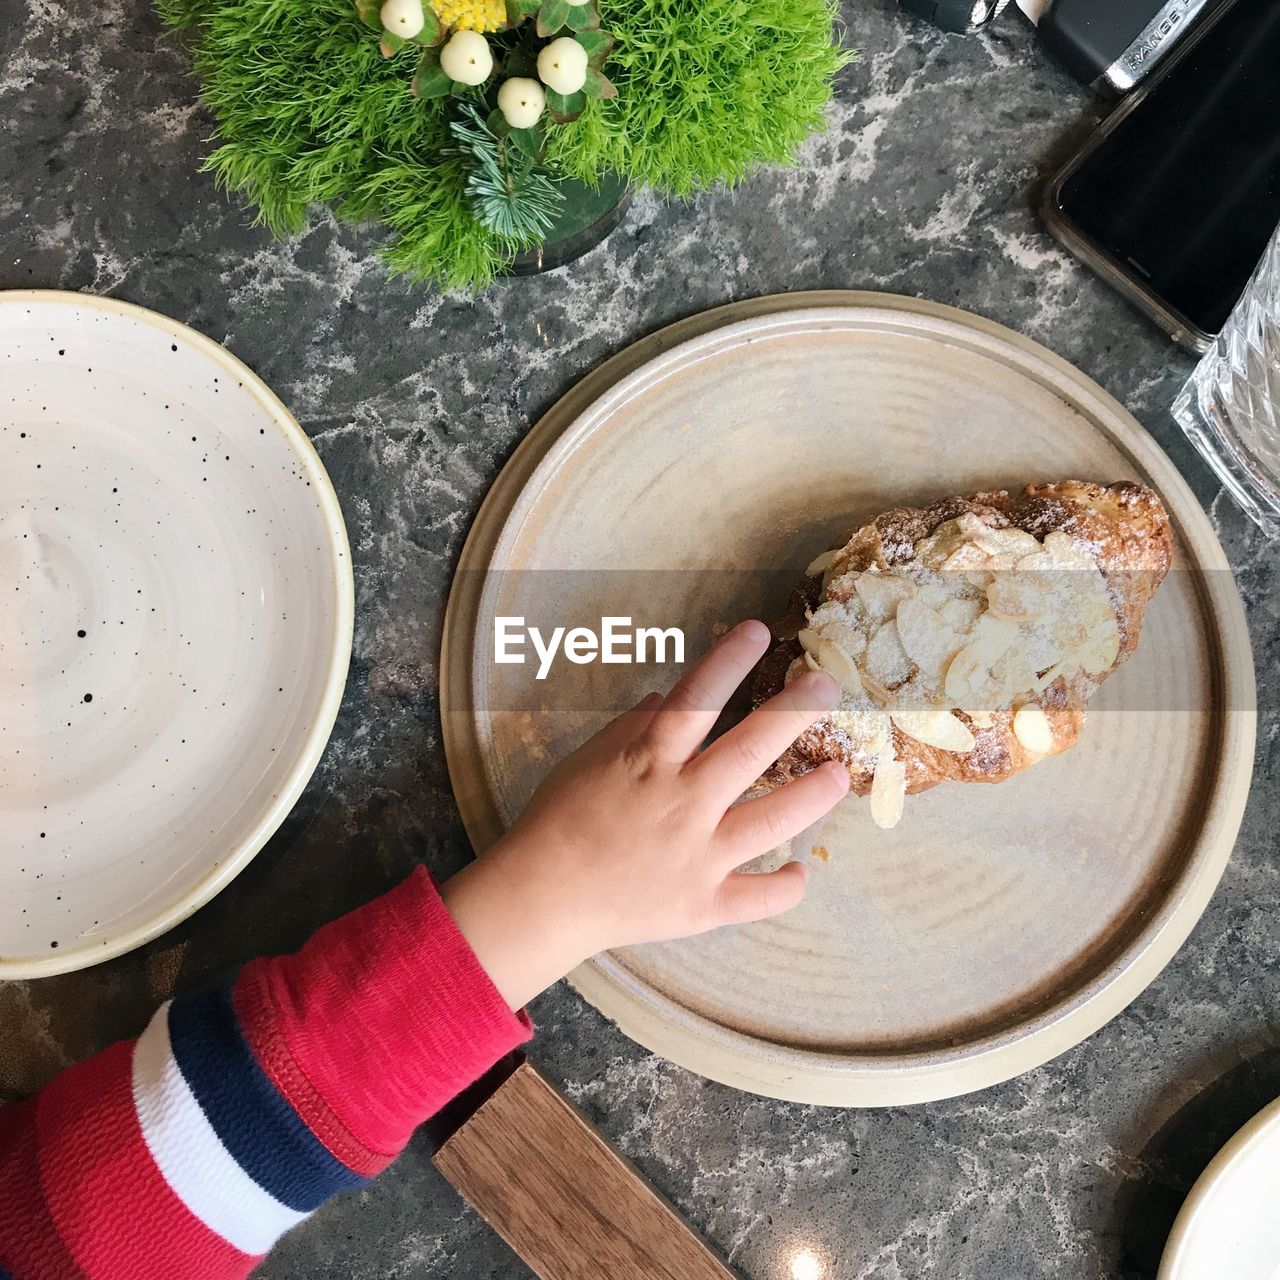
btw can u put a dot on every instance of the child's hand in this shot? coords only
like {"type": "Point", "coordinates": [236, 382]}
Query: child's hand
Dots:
{"type": "Point", "coordinates": [633, 837]}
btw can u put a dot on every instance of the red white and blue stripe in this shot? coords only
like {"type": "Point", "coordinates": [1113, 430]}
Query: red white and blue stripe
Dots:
{"type": "Point", "coordinates": [231, 1148]}
{"type": "Point", "coordinates": [245, 1106]}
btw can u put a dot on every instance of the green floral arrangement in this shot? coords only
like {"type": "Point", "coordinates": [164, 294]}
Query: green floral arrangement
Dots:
{"type": "Point", "coordinates": [458, 122]}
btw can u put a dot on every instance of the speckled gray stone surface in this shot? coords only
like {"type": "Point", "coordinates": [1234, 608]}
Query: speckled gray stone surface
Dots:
{"type": "Point", "coordinates": [926, 185]}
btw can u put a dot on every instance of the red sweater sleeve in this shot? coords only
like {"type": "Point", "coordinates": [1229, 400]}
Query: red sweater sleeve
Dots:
{"type": "Point", "coordinates": [245, 1106]}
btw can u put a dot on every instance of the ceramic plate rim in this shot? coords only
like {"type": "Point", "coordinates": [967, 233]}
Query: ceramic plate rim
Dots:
{"type": "Point", "coordinates": [1208, 1184]}
{"type": "Point", "coordinates": [317, 736]}
{"type": "Point", "coordinates": [733, 1057]}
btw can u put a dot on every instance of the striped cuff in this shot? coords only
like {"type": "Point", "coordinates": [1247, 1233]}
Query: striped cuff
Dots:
{"type": "Point", "coordinates": [231, 1148]}
{"type": "Point", "coordinates": [108, 1201]}
{"type": "Point", "coordinates": [243, 1107]}
{"type": "Point", "coordinates": [173, 1156]}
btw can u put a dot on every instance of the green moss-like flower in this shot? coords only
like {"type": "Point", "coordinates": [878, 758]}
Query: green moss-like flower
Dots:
{"type": "Point", "coordinates": [308, 110]}
{"type": "Point", "coordinates": [707, 91]}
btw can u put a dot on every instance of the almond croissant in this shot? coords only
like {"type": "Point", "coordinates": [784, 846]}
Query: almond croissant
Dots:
{"type": "Point", "coordinates": [968, 635]}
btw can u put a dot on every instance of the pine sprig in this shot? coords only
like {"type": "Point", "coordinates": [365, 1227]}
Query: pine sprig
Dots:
{"type": "Point", "coordinates": [509, 191]}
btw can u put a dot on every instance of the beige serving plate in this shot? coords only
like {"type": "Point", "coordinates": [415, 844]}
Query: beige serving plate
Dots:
{"type": "Point", "coordinates": [175, 631]}
{"type": "Point", "coordinates": [1227, 1226]}
{"type": "Point", "coordinates": [684, 483]}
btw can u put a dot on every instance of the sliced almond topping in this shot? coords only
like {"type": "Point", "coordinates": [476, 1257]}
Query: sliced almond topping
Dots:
{"type": "Point", "coordinates": [993, 635]}
{"type": "Point", "coordinates": [1017, 595]}
{"type": "Point", "coordinates": [1066, 552]}
{"type": "Point", "coordinates": [850, 639]}
{"type": "Point", "coordinates": [1072, 631]}
{"type": "Point", "coordinates": [969, 530]}
{"type": "Point", "coordinates": [808, 638]}
{"type": "Point", "coordinates": [1012, 674]}
{"type": "Point", "coordinates": [961, 613]}
{"type": "Point", "coordinates": [1044, 645]}
{"type": "Point", "coordinates": [1101, 649]}
{"type": "Point", "coordinates": [811, 662]}
{"type": "Point", "coordinates": [982, 719]}
{"type": "Point", "coordinates": [866, 726]}
{"type": "Point", "coordinates": [926, 639]}
{"type": "Point", "coordinates": [888, 790]}
{"type": "Point", "coordinates": [967, 557]}
{"type": "Point", "coordinates": [970, 681]}
{"type": "Point", "coordinates": [877, 691]}
{"type": "Point", "coordinates": [1031, 728]}
{"type": "Point", "coordinates": [886, 660]}
{"type": "Point", "coordinates": [1037, 562]}
{"type": "Point", "coordinates": [1044, 680]}
{"type": "Point", "coordinates": [1010, 545]}
{"type": "Point", "coordinates": [832, 658]}
{"type": "Point", "coordinates": [820, 564]}
{"type": "Point", "coordinates": [966, 678]}
{"type": "Point", "coordinates": [935, 727]}
{"type": "Point", "coordinates": [1002, 544]}
{"type": "Point", "coordinates": [881, 593]}
{"type": "Point", "coordinates": [934, 549]}
{"type": "Point", "coordinates": [933, 593]}
{"type": "Point", "coordinates": [841, 621]}
{"type": "Point", "coordinates": [974, 528]}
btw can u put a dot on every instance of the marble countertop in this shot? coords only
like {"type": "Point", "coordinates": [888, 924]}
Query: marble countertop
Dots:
{"type": "Point", "coordinates": [925, 184]}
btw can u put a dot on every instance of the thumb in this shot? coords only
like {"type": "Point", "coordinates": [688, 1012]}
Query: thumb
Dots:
{"type": "Point", "coordinates": [744, 896]}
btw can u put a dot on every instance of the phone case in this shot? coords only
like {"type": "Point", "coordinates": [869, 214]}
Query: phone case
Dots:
{"type": "Point", "coordinates": [1114, 44]}
{"type": "Point", "coordinates": [1115, 273]}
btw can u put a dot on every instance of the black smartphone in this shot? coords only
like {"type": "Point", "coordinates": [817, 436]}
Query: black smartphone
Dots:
{"type": "Point", "coordinates": [1175, 197]}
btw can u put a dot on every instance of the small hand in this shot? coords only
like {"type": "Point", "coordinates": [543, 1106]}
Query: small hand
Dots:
{"type": "Point", "coordinates": [636, 836]}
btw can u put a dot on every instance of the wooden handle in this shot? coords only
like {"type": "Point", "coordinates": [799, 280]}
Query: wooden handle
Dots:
{"type": "Point", "coordinates": [547, 1181]}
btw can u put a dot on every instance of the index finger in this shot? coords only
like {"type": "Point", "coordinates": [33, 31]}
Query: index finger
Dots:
{"type": "Point", "coordinates": [732, 763]}
{"type": "Point", "coordinates": [692, 707]}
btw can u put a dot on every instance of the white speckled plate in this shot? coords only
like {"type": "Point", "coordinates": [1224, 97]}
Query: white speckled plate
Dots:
{"type": "Point", "coordinates": [995, 926]}
{"type": "Point", "coordinates": [175, 628]}
{"type": "Point", "coordinates": [1228, 1228]}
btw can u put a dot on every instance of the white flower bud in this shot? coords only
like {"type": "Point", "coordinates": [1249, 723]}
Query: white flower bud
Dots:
{"type": "Point", "coordinates": [562, 65]}
{"type": "Point", "coordinates": [466, 58]}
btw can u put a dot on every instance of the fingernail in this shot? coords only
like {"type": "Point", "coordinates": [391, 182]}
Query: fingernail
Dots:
{"type": "Point", "coordinates": [837, 771]}
{"type": "Point", "coordinates": [823, 687]}
{"type": "Point", "coordinates": [649, 700]}
{"type": "Point", "coordinates": [754, 630]}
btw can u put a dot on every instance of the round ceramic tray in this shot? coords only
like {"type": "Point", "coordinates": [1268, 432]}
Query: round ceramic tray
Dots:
{"type": "Point", "coordinates": [1228, 1225]}
{"type": "Point", "coordinates": [686, 482]}
{"type": "Point", "coordinates": [176, 631]}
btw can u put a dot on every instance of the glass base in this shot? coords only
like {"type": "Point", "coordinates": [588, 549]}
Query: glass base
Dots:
{"type": "Point", "coordinates": [1240, 479]}
{"type": "Point", "coordinates": [589, 214]}
{"type": "Point", "coordinates": [1230, 406]}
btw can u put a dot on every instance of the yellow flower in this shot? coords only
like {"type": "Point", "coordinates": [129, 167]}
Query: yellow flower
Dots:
{"type": "Point", "coordinates": [471, 15]}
